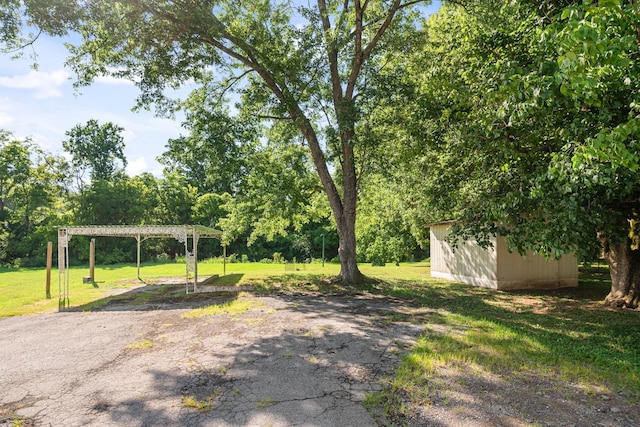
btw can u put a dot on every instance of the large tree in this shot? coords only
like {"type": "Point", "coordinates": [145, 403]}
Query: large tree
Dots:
{"type": "Point", "coordinates": [527, 125]}
{"type": "Point", "coordinates": [302, 63]}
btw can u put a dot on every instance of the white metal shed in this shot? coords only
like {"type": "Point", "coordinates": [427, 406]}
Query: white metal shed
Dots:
{"type": "Point", "coordinates": [496, 267]}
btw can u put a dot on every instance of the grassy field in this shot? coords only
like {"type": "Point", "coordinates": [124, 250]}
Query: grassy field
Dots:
{"type": "Point", "coordinates": [564, 335]}
{"type": "Point", "coordinates": [22, 291]}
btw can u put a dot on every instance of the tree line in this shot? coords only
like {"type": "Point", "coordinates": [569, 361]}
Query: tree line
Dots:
{"type": "Point", "coordinates": [265, 197]}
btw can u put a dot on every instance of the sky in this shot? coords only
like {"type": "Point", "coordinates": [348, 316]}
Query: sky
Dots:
{"type": "Point", "coordinates": [43, 105]}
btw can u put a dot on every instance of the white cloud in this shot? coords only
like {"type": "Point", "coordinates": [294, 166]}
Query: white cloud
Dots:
{"type": "Point", "coordinates": [45, 84]}
{"type": "Point", "coordinates": [5, 119]}
{"type": "Point", "coordinates": [128, 135]}
{"type": "Point", "coordinates": [111, 80]}
{"type": "Point", "coordinates": [136, 167]}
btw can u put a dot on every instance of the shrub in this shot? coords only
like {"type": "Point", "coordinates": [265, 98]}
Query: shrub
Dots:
{"type": "Point", "coordinates": [163, 257]}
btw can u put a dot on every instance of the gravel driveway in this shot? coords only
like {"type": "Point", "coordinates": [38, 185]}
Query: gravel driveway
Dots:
{"type": "Point", "coordinates": [297, 360]}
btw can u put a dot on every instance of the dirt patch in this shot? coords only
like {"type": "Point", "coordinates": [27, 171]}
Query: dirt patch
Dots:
{"type": "Point", "coordinates": [468, 399]}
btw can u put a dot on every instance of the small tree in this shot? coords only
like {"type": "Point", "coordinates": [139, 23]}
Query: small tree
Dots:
{"type": "Point", "coordinates": [96, 149]}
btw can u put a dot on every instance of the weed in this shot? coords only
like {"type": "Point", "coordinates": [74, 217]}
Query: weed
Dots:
{"type": "Point", "coordinates": [202, 406]}
{"type": "Point", "coordinates": [234, 307]}
{"type": "Point", "coordinates": [266, 402]}
{"type": "Point", "coordinates": [140, 345]}
{"type": "Point", "coordinates": [372, 400]}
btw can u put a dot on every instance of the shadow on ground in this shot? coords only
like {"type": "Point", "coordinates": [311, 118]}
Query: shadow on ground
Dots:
{"type": "Point", "coordinates": [299, 360]}
{"type": "Point", "coordinates": [167, 294]}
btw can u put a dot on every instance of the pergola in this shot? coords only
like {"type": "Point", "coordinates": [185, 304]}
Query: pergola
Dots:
{"type": "Point", "coordinates": [182, 233]}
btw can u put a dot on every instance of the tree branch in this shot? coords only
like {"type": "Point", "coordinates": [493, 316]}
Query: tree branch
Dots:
{"type": "Point", "coordinates": [332, 53]}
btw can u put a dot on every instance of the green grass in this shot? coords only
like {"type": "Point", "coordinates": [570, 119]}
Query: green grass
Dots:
{"type": "Point", "coordinates": [551, 336]}
{"type": "Point", "coordinates": [22, 291]}
{"type": "Point", "coordinates": [234, 307]}
{"type": "Point", "coordinates": [547, 336]}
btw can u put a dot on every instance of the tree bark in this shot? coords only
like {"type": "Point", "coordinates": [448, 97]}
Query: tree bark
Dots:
{"type": "Point", "coordinates": [349, 272]}
{"type": "Point", "coordinates": [343, 208]}
{"type": "Point", "coordinates": [624, 267]}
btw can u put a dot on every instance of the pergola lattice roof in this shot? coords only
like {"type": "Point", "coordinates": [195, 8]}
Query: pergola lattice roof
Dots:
{"type": "Point", "coordinates": [148, 231]}
{"type": "Point", "coordinates": [182, 233]}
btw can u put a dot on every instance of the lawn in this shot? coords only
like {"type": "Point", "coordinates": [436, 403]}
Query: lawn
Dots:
{"type": "Point", "coordinates": [22, 291]}
{"type": "Point", "coordinates": [562, 336]}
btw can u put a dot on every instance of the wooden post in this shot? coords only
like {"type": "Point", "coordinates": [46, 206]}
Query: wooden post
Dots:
{"type": "Point", "coordinates": [92, 260]}
{"type": "Point", "coordinates": [49, 258]}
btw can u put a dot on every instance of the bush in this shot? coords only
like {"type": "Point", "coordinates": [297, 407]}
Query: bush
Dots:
{"type": "Point", "coordinates": [266, 261]}
{"type": "Point", "coordinates": [245, 258]}
{"type": "Point", "coordinates": [335, 260]}
{"type": "Point", "coordinates": [34, 261]}
{"type": "Point", "coordinates": [163, 257]}
{"type": "Point", "coordinates": [115, 256]}
{"type": "Point", "coordinates": [377, 262]}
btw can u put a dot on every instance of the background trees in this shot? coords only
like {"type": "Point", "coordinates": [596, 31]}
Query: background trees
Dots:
{"type": "Point", "coordinates": [32, 189]}
{"type": "Point", "coordinates": [96, 150]}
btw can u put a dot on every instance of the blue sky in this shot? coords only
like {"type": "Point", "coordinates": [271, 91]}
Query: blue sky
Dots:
{"type": "Point", "coordinates": [43, 104]}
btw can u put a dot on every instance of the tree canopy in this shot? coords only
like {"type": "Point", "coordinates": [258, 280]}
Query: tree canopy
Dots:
{"type": "Point", "coordinates": [527, 125]}
{"type": "Point", "coordinates": [95, 149]}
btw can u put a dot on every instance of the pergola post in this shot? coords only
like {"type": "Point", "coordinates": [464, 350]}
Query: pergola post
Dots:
{"type": "Point", "coordinates": [138, 257]}
{"type": "Point", "coordinates": [92, 260]}
{"type": "Point", "coordinates": [63, 273]}
{"type": "Point", "coordinates": [195, 260]}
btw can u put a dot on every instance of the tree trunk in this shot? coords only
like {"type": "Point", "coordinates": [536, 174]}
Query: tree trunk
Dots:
{"type": "Point", "coordinates": [349, 272]}
{"type": "Point", "coordinates": [343, 208]}
{"type": "Point", "coordinates": [624, 267]}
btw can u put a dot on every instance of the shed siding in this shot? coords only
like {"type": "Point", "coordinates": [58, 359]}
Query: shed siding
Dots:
{"type": "Point", "coordinates": [496, 267]}
{"type": "Point", "coordinates": [534, 271]}
{"type": "Point", "coordinates": [468, 264]}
